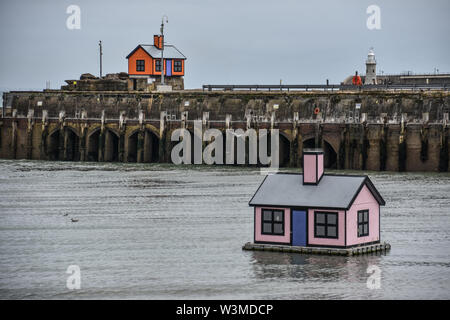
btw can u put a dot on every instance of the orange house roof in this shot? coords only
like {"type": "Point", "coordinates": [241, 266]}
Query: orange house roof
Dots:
{"type": "Point", "coordinates": [170, 52]}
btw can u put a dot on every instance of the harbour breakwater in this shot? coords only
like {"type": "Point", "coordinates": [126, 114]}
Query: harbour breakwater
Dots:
{"type": "Point", "coordinates": [362, 130]}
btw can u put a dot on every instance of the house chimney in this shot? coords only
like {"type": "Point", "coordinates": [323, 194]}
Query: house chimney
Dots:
{"type": "Point", "coordinates": [158, 41]}
{"type": "Point", "coordinates": [312, 166]}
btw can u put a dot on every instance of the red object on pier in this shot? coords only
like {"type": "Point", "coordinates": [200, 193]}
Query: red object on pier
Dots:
{"type": "Point", "coordinates": [356, 80]}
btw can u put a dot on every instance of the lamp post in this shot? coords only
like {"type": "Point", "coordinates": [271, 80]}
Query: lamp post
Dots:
{"type": "Point", "coordinates": [101, 53]}
{"type": "Point", "coordinates": [162, 47]}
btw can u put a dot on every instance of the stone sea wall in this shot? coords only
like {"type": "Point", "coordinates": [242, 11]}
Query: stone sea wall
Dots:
{"type": "Point", "coordinates": [373, 130]}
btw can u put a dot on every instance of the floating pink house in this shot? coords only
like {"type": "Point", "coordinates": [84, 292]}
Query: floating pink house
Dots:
{"type": "Point", "coordinates": [314, 209]}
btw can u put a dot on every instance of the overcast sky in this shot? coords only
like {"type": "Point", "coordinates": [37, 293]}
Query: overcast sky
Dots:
{"type": "Point", "coordinates": [225, 42]}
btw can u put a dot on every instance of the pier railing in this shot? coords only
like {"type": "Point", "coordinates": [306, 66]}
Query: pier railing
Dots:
{"type": "Point", "coordinates": [319, 87]}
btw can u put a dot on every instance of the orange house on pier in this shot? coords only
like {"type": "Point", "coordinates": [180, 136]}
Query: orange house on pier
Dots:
{"type": "Point", "coordinates": [145, 61]}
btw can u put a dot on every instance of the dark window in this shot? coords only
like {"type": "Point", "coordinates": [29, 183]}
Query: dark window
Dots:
{"type": "Point", "coordinates": [326, 225]}
{"type": "Point", "coordinates": [177, 66]}
{"type": "Point", "coordinates": [363, 223]}
{"type": "Point", "coordinates": [158, 65]}
{"type": "Point", "coordinates": [140, 65]}
{"type": "Point", "coordinates": [272, 222]}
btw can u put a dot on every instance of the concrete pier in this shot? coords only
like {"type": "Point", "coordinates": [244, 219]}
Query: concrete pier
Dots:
{"type": "Point", "coordinates": [358, 130]}
{"type": "Point", "coordinates": [353, 251]}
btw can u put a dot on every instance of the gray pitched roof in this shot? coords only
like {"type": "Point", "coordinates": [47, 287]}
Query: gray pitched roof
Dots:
{"type": "Point", "coordinates": [333, 191]}
{"type": "Point", "coordinates": [170, 52]}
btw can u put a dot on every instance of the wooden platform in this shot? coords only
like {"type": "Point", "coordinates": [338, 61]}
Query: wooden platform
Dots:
{"type": "Point", "coordinates": [378, 247]}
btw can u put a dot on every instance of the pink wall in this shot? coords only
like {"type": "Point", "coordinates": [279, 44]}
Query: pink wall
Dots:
{"type": "Point", "coordinates": [268, 238]}
{"type": "Point", "coordinates": [364, 201]}
{"type": "Point", "coordinates": [309, 168]}
{"type": "Point", "coordinates": [319, 165]}
{"type": "Point", "coordinates": [340, 241]}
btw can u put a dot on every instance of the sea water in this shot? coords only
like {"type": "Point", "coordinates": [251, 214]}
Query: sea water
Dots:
{"type": "Point", "coordinates": [154, 231]}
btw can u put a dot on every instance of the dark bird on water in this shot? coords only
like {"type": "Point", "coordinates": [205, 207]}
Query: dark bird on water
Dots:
{"type": "Point", "coordinates": [74, 220]}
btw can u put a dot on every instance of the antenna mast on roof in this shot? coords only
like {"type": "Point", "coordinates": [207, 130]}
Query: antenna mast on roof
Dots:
{"type": "Point", "coordinates": [101, 53]}
{"type": "Point", "coordinates": [162, 47]}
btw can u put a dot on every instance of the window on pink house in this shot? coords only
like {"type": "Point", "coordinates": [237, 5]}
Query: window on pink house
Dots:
{"type": "Point", "coordinates": [363, 223]}
{"type": "Point", "coordinates": [325, 224]}
{"type": "Point", "coordinates": [272, 222]}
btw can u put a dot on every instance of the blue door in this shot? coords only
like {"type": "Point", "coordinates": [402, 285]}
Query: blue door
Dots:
{"type": "Point", "coordinates": [299, 228]}
{"type": "Point", "coordinates": [168, 67]}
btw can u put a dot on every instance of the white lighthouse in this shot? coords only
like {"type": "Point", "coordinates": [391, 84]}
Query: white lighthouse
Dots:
{"type": "Point", "coordinates": [371, 68]}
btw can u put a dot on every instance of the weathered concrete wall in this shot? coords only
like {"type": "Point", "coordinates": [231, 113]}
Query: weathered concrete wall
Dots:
{"type": "Point", "coordinates": [358, 130]}
{"type": "Point", "coordinates": [334, 107]}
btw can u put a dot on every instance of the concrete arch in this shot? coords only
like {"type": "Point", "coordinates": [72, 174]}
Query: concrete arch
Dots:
{"type": "Point", "coordinates": [132, 146]}
{"type": "Point", "coordinates": [309, 142]}
{"type": "Point", "coordinates": [330, 154]}
{"type": "Point", "coordinates": [54, 131]}
{"type": "Point", "coordinates": [134, 131]}
{"type": "Point", "coordinates": [330, 140]}
{"type": "Point", "coordinates": [151, 146]}
{"type": "Point", "coordinates": [103, 147]}
{"type": "Point", "coordinates": [333, 141]}
{"type": "Point", "coordinates": [71, 144]}
{"type": "Point", "coordinates": [93, 144]}
{"type": "Point", "coordinates": [113, 131]}
{"type": "Point", "coordinates": [308, 137]}
{"type": "Point", "coordinates": [142, 146]}
{"type": "Point", "coordinates": [63, 144]}
{"type": "Point", "coordinates": [286, 134]}
{"type": "Point", "coordinates": [92, 131]}
{"type": "Point", "coordinates": [55, 144]}
{"type": "Point", "coordinates": [111, 145]}
{"type": "Point", "coordinates": [98, 128]}
{"type": "Point", "coordinates": [74, 130]}
{"type": "Point", "coordinates": [284, 149]}
{"type": "Point", "coordinates": [153, 130]}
